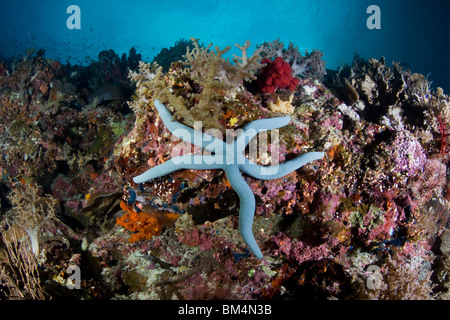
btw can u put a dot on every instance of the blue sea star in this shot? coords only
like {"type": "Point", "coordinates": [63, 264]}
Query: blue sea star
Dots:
{"type": "Point", "coordinates": [230, 158]}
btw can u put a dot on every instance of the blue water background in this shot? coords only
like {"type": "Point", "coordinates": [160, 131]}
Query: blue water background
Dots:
{"type": "Point", "coordinates": [416, 33]}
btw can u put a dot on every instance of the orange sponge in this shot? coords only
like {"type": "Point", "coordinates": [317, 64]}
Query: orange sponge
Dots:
{"type": "Point", "coordinates": [144, 225]}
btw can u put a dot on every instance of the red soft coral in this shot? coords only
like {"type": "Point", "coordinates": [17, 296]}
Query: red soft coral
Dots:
{"type": "Point", "coordinates": [277, 74]}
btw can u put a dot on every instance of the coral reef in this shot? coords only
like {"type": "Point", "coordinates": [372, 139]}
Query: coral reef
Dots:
{"type": "Point", "coordinates": [368, 221]}
{"type": "Point", "coordinates": [167, 56]}
{"type": "Point", "coordinates": [115, 69]}
{"type": "Point", "coordinates": [201, 88]}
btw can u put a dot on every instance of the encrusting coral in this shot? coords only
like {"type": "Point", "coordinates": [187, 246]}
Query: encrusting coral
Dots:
{"type": "Point", "coordinates": [282, 106]}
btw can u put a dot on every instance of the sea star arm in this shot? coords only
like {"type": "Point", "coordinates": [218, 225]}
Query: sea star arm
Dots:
{"type": "Point", "coordinates": [200, 162]}
{"type": "Point", "coordinates": [247, 208]}
{"type": "Point", "coordinates": [282, 169]}
{"type": "Point", "coordinates": [268, 124]}
{"type": "Point", "coordinates": [253, 128]}
{"type": "Point", "coordinates": [198, 138]}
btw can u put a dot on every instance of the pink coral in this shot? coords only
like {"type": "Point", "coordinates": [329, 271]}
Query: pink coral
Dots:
{"type": "Point", "coordinates": [408, 153]}
{"type": "Point", "coordinates": [277, 74]}
{"type": "Point", "coordinates": [298, 250]}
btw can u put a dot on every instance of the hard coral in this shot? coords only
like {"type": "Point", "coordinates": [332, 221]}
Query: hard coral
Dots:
{"type": "Point", "coordinates": [277, 74]}
{"type": "Point", "coordinates": [144, 224]}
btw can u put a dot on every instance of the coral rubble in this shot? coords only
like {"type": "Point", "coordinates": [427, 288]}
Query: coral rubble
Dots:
{"type": "Point", "coordinates": [368, 221]}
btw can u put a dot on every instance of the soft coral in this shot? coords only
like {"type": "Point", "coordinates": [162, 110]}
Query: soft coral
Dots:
{"type": "Point", "coordinates": [277, 74]}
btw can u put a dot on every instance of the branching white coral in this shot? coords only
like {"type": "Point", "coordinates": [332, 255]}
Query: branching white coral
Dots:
{"type": "Point", "coordinates": [244, 58]}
